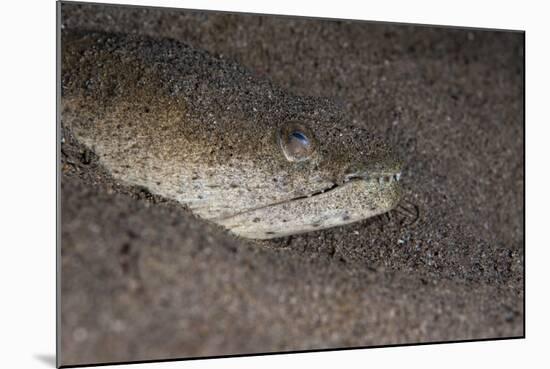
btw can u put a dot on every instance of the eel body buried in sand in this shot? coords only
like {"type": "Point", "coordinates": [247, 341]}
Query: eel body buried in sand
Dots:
{"type": "Point", "coordinates": [234, 148]}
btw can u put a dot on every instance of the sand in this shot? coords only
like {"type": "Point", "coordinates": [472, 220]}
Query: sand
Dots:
{"type": "Point", "coordinates": [144, 279]}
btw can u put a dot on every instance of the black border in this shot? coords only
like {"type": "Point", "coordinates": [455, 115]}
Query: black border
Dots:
{"type": "Point", "coordinates": [524, 185]}
{"type": "Point", "coordinates": [58, 189]}
{"type": "Point", "coordinates": [58, 184]}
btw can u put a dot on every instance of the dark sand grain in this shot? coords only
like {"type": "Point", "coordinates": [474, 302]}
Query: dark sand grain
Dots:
{"type": "Point", "coordinates": [142, 278]}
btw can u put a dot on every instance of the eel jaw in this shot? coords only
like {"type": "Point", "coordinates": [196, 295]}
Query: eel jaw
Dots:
{"type": "Point", "coordinates": [355, 199]}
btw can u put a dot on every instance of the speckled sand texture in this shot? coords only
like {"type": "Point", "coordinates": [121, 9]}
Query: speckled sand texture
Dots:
{"type": "Point", "coordinates": [144, 279]}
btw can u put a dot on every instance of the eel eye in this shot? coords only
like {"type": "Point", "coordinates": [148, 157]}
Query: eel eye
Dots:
{"type": "Point", "coordinates": [296, 142]}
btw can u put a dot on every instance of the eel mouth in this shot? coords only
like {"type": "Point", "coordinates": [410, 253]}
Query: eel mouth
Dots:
{"type": "Point", "coordinates": [356, 198]}
{"type": "Point", "coordinates": [381, 179]}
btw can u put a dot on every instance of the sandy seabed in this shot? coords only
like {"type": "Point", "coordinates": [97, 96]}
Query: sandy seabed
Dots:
{"type": "Point", "coordinates": [144, 279]}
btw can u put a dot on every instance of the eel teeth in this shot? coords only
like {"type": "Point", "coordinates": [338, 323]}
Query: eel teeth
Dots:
{"type": "Point", "coordinates": [381, 180]}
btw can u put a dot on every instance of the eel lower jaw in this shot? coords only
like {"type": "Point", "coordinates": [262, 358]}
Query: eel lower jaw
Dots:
{"type": "Point", "coordinates": [354, 199]}
{"type": "Point", "coordinates": [381, 179]}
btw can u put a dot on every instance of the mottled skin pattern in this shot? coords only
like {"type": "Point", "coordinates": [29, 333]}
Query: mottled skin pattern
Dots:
{"type": "Point", "coordinates": [150, 112]}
